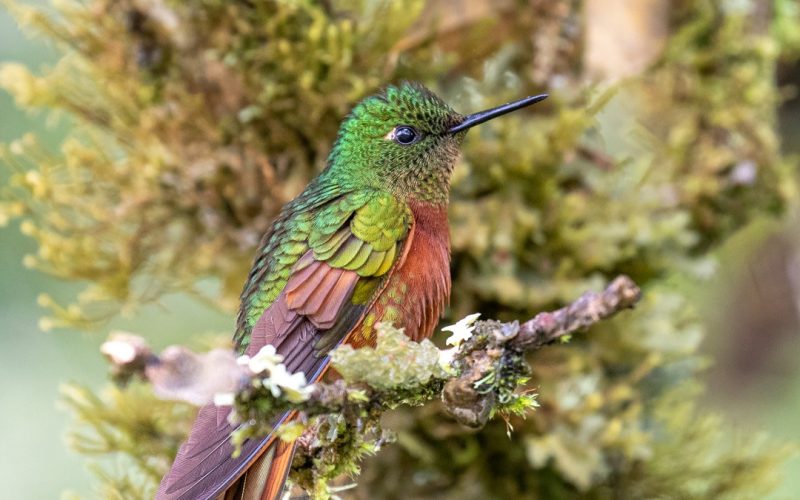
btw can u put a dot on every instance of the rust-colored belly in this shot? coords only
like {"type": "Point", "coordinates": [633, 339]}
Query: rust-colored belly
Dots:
{"type": "Point", "coordinates": [419, 290]}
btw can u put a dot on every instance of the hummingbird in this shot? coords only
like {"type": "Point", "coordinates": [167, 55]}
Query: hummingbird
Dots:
{"type": "Point", "coordinates": [366, 241]}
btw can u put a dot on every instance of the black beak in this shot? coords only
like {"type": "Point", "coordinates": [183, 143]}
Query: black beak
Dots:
{"type": "Point", "coordinates": [484, 116]}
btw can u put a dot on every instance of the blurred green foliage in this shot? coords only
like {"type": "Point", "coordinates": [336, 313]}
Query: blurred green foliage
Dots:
{"type": "Point", "coordinates": [193, 122]}
{"type": "Point", "coordinates": [132, 424]}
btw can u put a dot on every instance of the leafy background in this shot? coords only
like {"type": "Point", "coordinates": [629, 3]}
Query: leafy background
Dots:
{"type": "Point", "coordinates": [35, 364]}
{"type": "Point", "coordinates": [753, 395]}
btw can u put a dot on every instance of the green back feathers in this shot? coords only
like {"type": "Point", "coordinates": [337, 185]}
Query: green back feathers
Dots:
{"type": "Point", "coordinates": [368, 243]}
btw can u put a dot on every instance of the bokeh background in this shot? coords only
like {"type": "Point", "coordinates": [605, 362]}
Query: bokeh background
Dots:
{"type": "Point", "coordinates": [750, 309]}
{"type": "Point", "coordinates": [37, 462]}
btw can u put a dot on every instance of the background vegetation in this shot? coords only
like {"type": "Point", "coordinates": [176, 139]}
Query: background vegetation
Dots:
{"type": "Point", "coordinates": [178, 129]}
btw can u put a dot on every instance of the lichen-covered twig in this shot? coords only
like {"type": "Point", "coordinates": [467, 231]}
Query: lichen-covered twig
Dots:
{"type": "Point", "coordinates": [477, 377]}
{"type": "Point", "coordinates": [490, 363]}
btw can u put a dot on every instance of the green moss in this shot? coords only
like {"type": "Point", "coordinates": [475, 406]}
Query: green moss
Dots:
{"type": "Point", "coordinates": [396, 361]}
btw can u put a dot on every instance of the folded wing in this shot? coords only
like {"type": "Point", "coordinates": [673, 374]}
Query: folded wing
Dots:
{"type": "Point", "coordinates": [335, 262]}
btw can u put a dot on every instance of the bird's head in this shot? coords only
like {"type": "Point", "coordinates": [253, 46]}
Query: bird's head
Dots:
{"type": "Point", "coordinates": [406, 140]}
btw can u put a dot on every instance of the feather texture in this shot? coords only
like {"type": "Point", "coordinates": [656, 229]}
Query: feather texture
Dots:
{"type": "Point", "coordinates": [276, 476]}
{"type": "Point", "coordinates": [312, 313]}
{"type": "Point", "coordinates": [366, 241]}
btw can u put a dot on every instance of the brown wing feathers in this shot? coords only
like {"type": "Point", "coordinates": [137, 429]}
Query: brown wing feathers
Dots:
{"type": "Point", "coordinates": [311, 303]}
{"type": "Point", "coordinates": [204, 464]}
{"type": "Point", "coordinates": [312, 314]}
{"type": "Point", "coordinates": [319, 291]}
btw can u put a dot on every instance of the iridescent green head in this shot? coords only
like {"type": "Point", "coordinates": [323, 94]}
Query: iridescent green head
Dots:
{"type": "Point", "coordinates": [405, 140]}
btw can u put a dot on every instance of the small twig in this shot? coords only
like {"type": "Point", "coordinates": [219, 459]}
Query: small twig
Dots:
{"type": "Point", "coordinates": [590, 308]}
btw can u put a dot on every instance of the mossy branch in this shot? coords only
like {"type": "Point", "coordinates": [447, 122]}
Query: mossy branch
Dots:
{"type": "Point", "coordinates": [476, 378]}
{"type": "Point", "coordinates": [490, 363]}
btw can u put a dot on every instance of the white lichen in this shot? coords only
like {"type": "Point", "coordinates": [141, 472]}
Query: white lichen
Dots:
{"type": "Point", "coordinates": [462, 330]}
{"type": "Point", "coordinates": [265, 360]}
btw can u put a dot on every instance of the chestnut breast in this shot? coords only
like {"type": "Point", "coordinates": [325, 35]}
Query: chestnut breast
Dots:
{"type": "Point", "coordinates": [419, 290]}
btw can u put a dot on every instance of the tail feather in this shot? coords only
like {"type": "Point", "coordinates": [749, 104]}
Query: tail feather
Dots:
{"type": "Point", "coordinates": [204, 468]}
{"type": "Point", "coordinates": [265, 479]}
{"type": "Point", "coordinates": [249, 479]}
{"type": "Point", "coordinates": [275, 479]}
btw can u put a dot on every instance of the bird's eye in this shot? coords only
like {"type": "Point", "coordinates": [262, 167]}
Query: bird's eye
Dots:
{"type": "Point", "coordinates": [405, 135]}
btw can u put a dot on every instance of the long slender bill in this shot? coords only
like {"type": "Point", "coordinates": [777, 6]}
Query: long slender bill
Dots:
{"type": "Point", "coordinates": [484, 116]}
